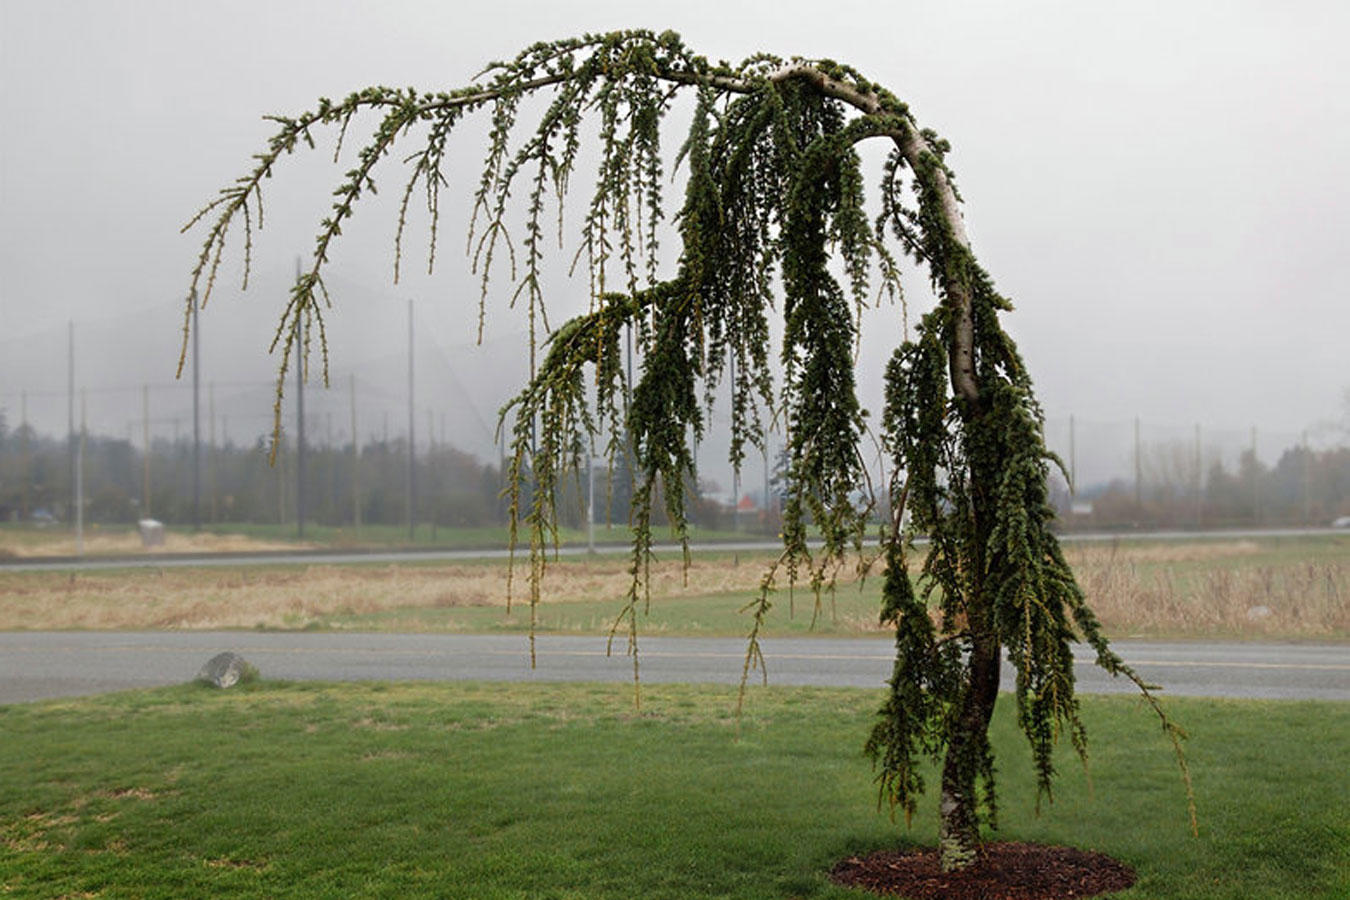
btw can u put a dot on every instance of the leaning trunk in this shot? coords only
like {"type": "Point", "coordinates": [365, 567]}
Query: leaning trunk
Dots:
{"type": "Point", "coordinates": [967, 750]}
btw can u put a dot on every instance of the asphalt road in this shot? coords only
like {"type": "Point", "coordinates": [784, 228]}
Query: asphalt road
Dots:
{"type": "Point", "coordinates": [38, 665]}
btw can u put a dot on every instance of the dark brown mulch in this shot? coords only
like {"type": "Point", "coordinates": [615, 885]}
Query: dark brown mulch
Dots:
{"type": "Point", "coordinates": [1004, 871]}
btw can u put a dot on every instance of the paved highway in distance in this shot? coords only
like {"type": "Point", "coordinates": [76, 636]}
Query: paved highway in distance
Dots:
{"type": "Point", "coordinates": [329, 557]}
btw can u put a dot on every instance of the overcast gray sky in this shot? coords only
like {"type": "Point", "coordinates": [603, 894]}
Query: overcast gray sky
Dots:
{"type": "Point", "coordinates": [1161, 187]}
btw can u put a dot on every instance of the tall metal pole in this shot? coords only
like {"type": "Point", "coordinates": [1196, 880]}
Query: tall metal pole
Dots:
{"type": "Point", "coordinates": [23, 444]}
{"type": "Point", "coordinates": [1307, 479]}
{"type": "Point", "coordinates": [412, 443]}
{"type": "Point", "coordinates": [501, 479]}
{"type": "Point", "coordinates": [766, 518]}
{"type": "Point", "coordinates": [590, 497]}
{"type": "Point", "coordinates": [1138, 468]}
{"type": "Point", "coordinates": [1073, 458]}
{"type": "Point", "coordinates": [431, 466]}
{"type": "Point", "coordinates": [356, 464]}
{"type": "Point", "coordinates": [736, 468]}
{"type": "Point", "coordinates": [300, 418]}
{"type": "Point", "coordinates": [1199, 479]}
{"type": "Point", "coordinates": [196, 420]}
{"type": "Point", "coordinates": [145, 451]}
{"type": "Point", "coordinates": [212, 460]}
{"type": "Point", "coordinates": [330, 468]}
{"type": "Point", "coordinates": [70, 409]}
{"type": "Point", "coordinates": [1256, 483]}
{"type": "Point", "coordinates": [79, 483]}
{"type": "Point", "coordinates": [281, 477]}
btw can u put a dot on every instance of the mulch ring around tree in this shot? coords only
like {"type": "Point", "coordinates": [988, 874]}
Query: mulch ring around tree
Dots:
{"type": "Point", "coordinates": [1003, 871]}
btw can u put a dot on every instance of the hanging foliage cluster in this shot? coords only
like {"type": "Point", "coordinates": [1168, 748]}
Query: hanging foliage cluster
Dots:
{"type": "Point", "coordinates": [773, 216]}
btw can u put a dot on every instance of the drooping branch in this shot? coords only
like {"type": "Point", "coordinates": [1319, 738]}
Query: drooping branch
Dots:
{"type": "Point", "coordinates": [405, 108]}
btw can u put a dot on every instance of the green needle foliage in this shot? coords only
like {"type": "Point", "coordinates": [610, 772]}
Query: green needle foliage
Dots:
{"type": "Point", "coordinates": [773, 213]}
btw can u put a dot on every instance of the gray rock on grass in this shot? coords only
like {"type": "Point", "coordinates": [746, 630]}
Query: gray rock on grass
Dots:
{"type": "Point", "coordinates": [226, 670]}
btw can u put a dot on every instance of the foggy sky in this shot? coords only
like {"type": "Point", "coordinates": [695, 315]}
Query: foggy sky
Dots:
{"type": "Point", "coordinates": [1160, 187]}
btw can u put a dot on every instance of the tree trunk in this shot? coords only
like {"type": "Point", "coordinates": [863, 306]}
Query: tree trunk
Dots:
{"type": "Point", "coordinates": [959, 829]}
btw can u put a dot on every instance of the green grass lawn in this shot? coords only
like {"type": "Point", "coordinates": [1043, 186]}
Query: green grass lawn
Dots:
{"type": "Point", "coordinates": [540, 790]}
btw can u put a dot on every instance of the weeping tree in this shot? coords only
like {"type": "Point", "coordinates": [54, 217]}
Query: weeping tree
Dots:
{"type": "Point", "coordinates": [775, 215]}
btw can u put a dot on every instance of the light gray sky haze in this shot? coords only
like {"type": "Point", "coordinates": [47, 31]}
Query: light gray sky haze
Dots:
{"type": "Point", "coordinates": [1161, 187]}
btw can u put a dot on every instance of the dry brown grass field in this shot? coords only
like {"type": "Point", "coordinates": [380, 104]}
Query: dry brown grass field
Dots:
{"type": "Point", "coordinates": [1287, 588]}
{"type": "Point", "coordinates": [300, 596]}
{"type": "Point", "coordinates": [123, 541]}
{"type": "Point", "coordinates": [1290, 588]}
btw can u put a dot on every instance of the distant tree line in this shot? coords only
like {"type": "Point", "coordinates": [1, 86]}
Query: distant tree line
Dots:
{"type": "Point", "coordinates": [238, 483]}
{"type": "Point", "coordinates": [453, 488]}
{"type": "Point", "coordinates": [1173, 489]}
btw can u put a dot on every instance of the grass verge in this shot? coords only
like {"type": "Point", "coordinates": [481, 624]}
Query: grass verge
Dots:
{"type": "Point", "coordinates": [563, 791]}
